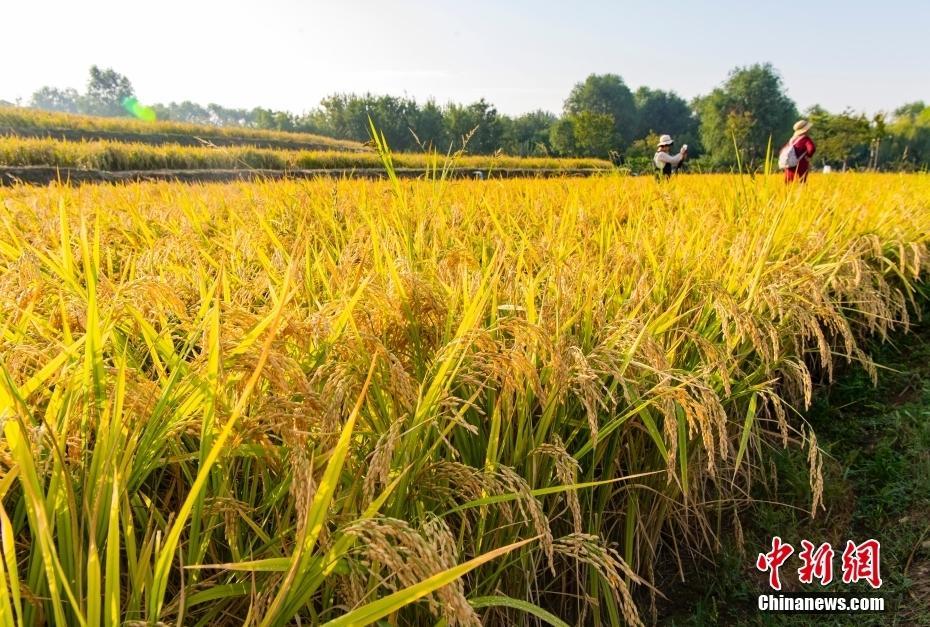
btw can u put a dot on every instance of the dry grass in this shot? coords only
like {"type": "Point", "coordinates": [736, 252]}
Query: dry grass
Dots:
{"type": "Point", "coordinates": [257, 376]}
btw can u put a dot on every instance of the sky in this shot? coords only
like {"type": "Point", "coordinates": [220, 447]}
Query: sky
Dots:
{"type": "Point", "coordinates": [520, 55]}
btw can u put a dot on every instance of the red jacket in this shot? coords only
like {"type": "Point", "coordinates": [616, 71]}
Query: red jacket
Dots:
{"type": "Point", "coordinates": [804, 148]}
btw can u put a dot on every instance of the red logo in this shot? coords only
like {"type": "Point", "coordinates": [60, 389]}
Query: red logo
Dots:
{"type": "Point", "coordinates": [817, 564]}
{"type": "Point", "coordinates": [773, 560]}
{"type": "Point", "coordinates": [860, 562]}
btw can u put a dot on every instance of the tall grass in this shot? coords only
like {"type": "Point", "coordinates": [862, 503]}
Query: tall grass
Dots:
{"type": "Point", "coordinates": [119, 156]}
{"type": "Point", "coordinates": [341, 400]}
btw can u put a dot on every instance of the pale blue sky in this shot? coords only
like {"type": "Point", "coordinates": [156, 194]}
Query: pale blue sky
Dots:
{"type": "Point", "coordinates": [520, 55]}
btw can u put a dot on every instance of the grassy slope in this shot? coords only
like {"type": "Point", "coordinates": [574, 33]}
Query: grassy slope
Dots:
{"type": "Point", "coordinates": [877, 479]}
{"type": "Point", "coordinates": [33, 120]}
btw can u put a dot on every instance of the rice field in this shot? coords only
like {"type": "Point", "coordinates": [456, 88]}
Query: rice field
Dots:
{"type": "Point", "coordinates": [121, 156]}
{"type": "Point", "coordinates": [337, 402]}
{"type": "Point", "coordinates": [35, 122]}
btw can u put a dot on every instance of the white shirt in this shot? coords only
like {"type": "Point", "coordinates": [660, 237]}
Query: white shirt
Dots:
{"type": "Point", "coordinates": [662, 158]}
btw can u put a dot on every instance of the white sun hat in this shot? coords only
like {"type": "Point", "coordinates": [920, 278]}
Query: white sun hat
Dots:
{"type": "Point", "coordinates": [801, 127]}
{"type": "Point", "coordinates": [666, 140]}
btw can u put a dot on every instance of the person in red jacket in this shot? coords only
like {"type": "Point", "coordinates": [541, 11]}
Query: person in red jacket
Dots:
{"type": "Point", "coordinates": [804, 148]}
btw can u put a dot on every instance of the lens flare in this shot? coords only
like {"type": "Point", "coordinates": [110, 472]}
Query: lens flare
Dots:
{"type": "Point", "coordinates": [138, 110]}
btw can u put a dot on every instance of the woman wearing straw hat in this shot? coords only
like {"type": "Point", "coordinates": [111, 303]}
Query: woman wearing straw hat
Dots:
{"type": "Point", "coordinates": [664, 160]}
{"type": "Point", "coordinates": [803, 147]}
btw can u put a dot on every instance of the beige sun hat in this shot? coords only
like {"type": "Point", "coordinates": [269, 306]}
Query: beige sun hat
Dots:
{"type": "Point", "coordinates": [801, 127]}
{"type": "Point", "coordinates": [666, 140]}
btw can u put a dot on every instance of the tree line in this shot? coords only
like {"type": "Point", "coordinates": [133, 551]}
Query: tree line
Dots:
{"type": "Point", "coordinates": [602, 117]}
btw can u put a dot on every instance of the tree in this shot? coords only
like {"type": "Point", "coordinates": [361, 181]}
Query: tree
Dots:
{"type": "Point", "coordinates": [909, 130]}
{"type": "Point", "coordinates": [841, 138]}
{"type": "Point", "coordinates": [478, 122]}
{"type": "Point", "coordinates": [910, 110]}
{"type": "Point", "coordinates": [429, 128]}
{"type": "Point", "coordinates": [274, 120]}
{"type": "Point", "coordinates": [54, 99]}
{"type": "Point", "coordinates": [665, 112]}
{"type": "Point", "coordinates": [606, 94]}
{"type": "Point", "coordinates": [186, 111]}
{"type": "Point", "coordinates": [562, 137]}
{"type": "Point", "coordinates": [753, 102]}
{"type": "Point", "coordinates": [528, 134]}
{"type": "Point", "coordinates": [106, 91]}
{"type": "Point", "coordinates": [592, 133]}
{"type": "Point", "coordinates": [346, 116]}
{"type": "Point", "coordinates": [223, 116]}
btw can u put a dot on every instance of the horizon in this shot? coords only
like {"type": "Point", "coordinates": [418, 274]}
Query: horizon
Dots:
{"type": "Point", "coordinates": [519, 57]}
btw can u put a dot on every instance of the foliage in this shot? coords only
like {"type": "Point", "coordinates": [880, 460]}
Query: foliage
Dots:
{"type": "Point", "coordinates": [908, 144]}
{"type": "Point", "coordinates": [843, 139]}
{"type": "Point", "coordinates": [54, 99]}
{"type": "Point", "coordinates": [527, 135]}
{"type": "Point", "coordinates": [476, 125]}
{"type": "Point", "coordinates": [665, 112]}
{"type": "Point", "coordinates": [606, 94]}
{"type": "Point", "coordinates": [593, 133]}
{"type": "Point", "coordinates": [562, 137]}
{"type": "Point", "coordinates": [750, 107]}
{"type": "Point", "coordinates": [336, 400]}
{"type": "Point", "coordinates": [106, 91]}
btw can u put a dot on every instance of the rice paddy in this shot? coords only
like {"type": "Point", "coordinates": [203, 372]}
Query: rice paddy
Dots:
{"type": "Point", "coordinates": [38, 123]}
{"type": "Point", "coordinates": [337, 402]}
{"type": "Point", "coordinates": [121, 156]}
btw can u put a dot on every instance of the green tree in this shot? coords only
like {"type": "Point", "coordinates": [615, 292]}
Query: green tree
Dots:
{"type": "Point", "coordinates": [842, 139]}
{"type": "Point", "coordinates": [907, 144]}
{"type": "Point", "coordinates": [606, 94]}
{"type": "Point", "coordinates": [429, 128]}
{"type": "Point", "coordinates": [910, 110]}
{"type": "Point", "coordinates": [54, 99]}
{"type": "Point", "coordinates": [478, 122]}
{"type": "Point", "coordinates": [186, 111]}
{"type": "Point", "coordinates": [593, 134]}
{"type": "Point", "coordinates": [223, 116]}
{"type": "Point", "coordinates": [751, 102]}
{"type": "Point", "coordinates": [664, 112]}
{"type": "Point", "coordinates": [274, 120]}
{"type": "Point", "coordinates": [346, 116]}
{"type": "Point", "coordinates": [562, 137]}
{"type": "Point", "coordinates": [106, 91]}
{"type": "Point", "coordinates": [528, 134]}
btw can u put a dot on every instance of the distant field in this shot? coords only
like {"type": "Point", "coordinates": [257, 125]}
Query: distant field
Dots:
{"type": "Point", "coordinates": [35, 123]}
{"type": "Point", "coordinates": [119, 156]}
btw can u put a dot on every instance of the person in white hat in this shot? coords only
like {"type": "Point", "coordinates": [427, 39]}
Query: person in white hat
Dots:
{"type": "Point", "coordinates": [664, 160]}
{"type": "Point", "coordinates": [796, 166]}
